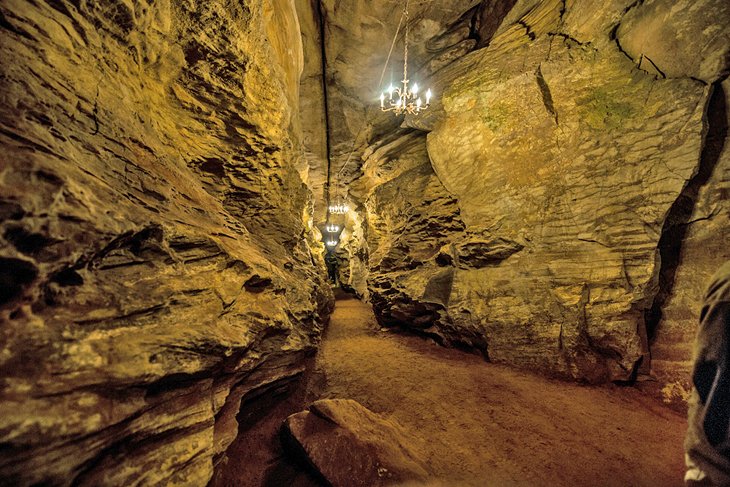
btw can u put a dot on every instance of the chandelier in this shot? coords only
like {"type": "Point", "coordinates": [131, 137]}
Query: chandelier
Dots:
{"type": "Point", "coordinates": [404, 100]}
{"type": "Point", "coordinates": [331, 243]}
{"type": "Point", "coordinates": [332, 228]}
{"type": "Point", "coordinates": [339, 207]}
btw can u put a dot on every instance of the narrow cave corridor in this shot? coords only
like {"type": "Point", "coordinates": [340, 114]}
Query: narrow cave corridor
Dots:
{"type": "Point", "coordinates": [469, 421]}
{"type": "Point", "coordinates": [237, 250]}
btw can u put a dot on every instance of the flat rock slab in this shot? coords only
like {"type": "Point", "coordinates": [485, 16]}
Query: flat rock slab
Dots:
{"type": "Point", "coordinates": [349, 445]}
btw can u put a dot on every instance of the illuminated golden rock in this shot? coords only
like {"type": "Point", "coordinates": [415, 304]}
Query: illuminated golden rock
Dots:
{"type": "Point", "coordinates": [148, 197]}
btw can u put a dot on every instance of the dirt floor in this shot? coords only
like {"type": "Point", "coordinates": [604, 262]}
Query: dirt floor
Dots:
{"type": "Point", "coordinates": [480, 424]}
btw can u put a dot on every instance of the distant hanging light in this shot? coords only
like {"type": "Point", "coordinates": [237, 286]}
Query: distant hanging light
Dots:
{"type": "Point", "coordinates": [332, 228]}
{"type": "Point", "coordinates": [338, 207]}
{"type": "Point", "coordinates": [405, 100]}
{"type": "Point", "coordinates": [331, 243]}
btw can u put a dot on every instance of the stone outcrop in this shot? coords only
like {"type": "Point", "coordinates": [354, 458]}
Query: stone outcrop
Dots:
{"type": "Point", "coordinates": [565, 156]}
{"type": "Point", "coordinates": [349, 445]}
{"type": "Point", "coordinates": [156, 262]}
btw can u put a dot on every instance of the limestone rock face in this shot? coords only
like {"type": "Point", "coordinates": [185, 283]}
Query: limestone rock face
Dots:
{"type": "Point", "coordinates": [349, 445]}
{"type": "Point", "coordinates": [563, 156]}
{"type": "Point", "coordinates": [581, 174]}
{"type": "Point", "coordinates": [155, 259]}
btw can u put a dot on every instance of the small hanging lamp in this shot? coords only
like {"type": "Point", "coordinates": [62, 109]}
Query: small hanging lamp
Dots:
{"type": "Point", "coordinates": [338, 206]}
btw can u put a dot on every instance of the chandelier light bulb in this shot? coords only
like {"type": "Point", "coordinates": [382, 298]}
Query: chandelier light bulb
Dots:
{"type": "Point", "coordinates": [418, 102]}
{"type": "Point", "coordinates": [428, 96]}
{"type": "Point", "coordinates": [415, 88]}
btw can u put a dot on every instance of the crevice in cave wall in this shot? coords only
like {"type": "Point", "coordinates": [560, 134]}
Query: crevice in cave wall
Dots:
{"type": "Point", "coordinates": [547, 98]}
{"type": "Point", "coordinates": [703, 249]}
{"type": "Point", "coordinates": [680, 213]}
{"type": "Point", "coordinates": [321, 20]}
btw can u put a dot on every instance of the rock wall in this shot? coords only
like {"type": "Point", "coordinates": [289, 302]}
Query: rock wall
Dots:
{"type": "Point", "coordinates": [578, 164]}
{"type": "Point", "coordinates": [312, 111]}
{"type": "Point", "coordinates": [694, 247]}
{"type": "Point", "coordinates": [156, 261]}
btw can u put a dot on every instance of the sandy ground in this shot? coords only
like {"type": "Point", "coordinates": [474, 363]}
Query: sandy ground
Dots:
{"type": "Point", "coordinates": [481, 424]}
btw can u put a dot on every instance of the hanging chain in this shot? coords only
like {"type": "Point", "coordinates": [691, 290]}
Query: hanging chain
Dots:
{"type": "Point", "coordinates": [392, 45]}
{"type": "Point", "coordinates": [405, 42]}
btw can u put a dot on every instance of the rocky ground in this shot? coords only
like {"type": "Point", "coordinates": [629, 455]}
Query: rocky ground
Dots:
{"type": "Point", "coordinates": [474, 422]}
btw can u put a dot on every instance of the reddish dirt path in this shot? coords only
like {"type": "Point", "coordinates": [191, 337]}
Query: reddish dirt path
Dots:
{"type": "Point", "coordinates": [478, 424]}
{"type": "Point", "coordinates": [483, 424]}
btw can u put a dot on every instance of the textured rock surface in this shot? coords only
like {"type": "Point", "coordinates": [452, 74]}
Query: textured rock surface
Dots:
{"type": "Point", "coordinates": [563, 153]}
{"type": "Point", "coordinates": [155, 261]}
{"type": "Point", "coordinates": [678, 39]}
{"type": "Point", "coordinates": [312, 113]}
{"type": "Point", "coordinates": [581, 185]}
{"type": "Point", "coordinates": [349, 445]}
{"type": "Point", "coordinates": [704, 233]}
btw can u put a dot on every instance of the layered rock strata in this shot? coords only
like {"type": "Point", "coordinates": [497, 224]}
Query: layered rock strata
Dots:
{"type": "Point", "coordinates": [694, 245]}
{"type": "Point", "coordinates": [155, 258]}
{"type": "Point", "coordinates": [560, 154]}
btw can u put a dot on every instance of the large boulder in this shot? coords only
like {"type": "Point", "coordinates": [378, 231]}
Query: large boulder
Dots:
{"type": "Point", "coordinates": [351, 446]}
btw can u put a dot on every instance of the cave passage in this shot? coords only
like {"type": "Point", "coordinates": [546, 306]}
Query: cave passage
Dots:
{"type": "Point", "coordinates": [474, 422]}
{"type": "Point", "coordinates": [526, 232]}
